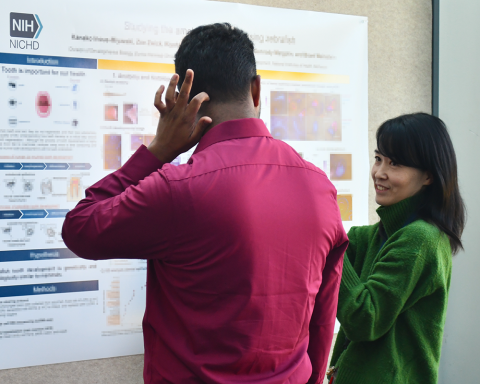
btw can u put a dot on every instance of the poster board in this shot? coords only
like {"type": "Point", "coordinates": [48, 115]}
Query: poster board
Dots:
{"type": "Point", "coordinates": [79, 80]}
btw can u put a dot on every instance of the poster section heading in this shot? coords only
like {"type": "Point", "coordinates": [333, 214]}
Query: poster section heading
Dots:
{"type": "Point", "coordinates": [45, 289]}
{"type": "Point", "coordinates": [50, 61]}
{"type": "Point", "coordinates": [35, 255]}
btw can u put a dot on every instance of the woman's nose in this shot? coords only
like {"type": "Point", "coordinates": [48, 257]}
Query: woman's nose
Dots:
{"type": "Point", "coordinates": [380, 172]}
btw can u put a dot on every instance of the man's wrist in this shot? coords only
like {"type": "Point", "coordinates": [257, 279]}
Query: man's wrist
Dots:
{"type": "Point", "coordinates": [160, 152]}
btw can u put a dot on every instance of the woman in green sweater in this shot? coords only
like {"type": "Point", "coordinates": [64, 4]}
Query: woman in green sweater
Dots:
{"type": "Point", "coordinates": [396, 273]}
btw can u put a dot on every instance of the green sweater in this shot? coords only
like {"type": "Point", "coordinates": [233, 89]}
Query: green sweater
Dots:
{"type": "Point", "coordinates": [393, 300]}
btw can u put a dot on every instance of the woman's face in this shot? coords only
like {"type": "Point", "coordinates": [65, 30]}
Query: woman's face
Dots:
{"type": "Point", "coordinates": [394, 182]}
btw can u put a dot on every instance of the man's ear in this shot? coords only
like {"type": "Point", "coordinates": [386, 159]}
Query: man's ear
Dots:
{"type": "Point", "coordinates": [255, 90]}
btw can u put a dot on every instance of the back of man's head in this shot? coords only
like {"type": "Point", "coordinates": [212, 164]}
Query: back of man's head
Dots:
{"type": "Point", "coordinates": [222, 59]}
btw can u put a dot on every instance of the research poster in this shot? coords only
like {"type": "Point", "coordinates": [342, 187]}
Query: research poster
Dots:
{"type": "Point", "coordinates": [77, 84]}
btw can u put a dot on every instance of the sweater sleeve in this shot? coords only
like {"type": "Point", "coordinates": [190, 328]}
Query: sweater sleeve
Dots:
{"type": "Point", "coordinates": [367, 310]}
{"type": "Point", "coordinates": [352, 246]}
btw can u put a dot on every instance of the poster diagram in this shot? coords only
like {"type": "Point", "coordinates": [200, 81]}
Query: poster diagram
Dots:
{"type": "Point", "coordinates": [76, 101]}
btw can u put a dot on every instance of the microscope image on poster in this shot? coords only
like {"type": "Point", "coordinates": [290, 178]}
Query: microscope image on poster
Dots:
{"type": "Point", "coordinates": [306, 116]}
{"type": "Point", "coordinates": [111, 112]}
{"type": "Point", "coordinates": [112, 151]}
{"type": "Point", "coordinates": [345, 206]}
{"type": "Point", "coordinates": [130, 113]}
{"type": "Point", "coordinates": [137, 140]}
{"type": "Point", "coordinates": [340, 166]}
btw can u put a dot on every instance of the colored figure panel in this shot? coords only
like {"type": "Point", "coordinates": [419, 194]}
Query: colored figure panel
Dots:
{"type": "Point", "coordinates": [130, 113]}
{"type": "Point", "coordinates": [340, 166]}
{"type": "Point", "coordinates": [43, 104]}
{"type": "Point", "coordinates": [345, 206]}
{"type": "Point", "coordinates": [112, 148]}
{"type": "Point", "coordinates": [135, 142]}
{"type": "Point", "coordinates": [111, 112]}
{"type": "Point", "coordinates": [306, 116]}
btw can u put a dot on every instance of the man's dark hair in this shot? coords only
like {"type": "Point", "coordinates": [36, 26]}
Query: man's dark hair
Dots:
{"type": "Point", "coordinates": [222, 59]}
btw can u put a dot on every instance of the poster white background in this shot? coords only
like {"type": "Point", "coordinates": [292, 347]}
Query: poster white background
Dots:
{"type": "Point", "coordinates": [93, 119]}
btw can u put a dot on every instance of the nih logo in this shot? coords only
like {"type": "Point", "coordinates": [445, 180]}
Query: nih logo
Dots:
{"type": "Point", "coordinates": [25, 26]}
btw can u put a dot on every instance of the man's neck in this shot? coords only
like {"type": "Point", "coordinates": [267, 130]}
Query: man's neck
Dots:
{"type": "Point", "coordinates": [219, 113]}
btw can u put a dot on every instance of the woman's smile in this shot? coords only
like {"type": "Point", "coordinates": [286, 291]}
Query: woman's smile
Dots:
{"type": "Point", "coordinates": [380, 188]}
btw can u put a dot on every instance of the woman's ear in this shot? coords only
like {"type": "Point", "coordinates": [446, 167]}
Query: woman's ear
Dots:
{"type": "Point", "coordinates": [428, 179]}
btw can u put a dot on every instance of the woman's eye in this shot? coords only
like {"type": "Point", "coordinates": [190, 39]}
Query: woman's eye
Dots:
{"type": "Point", "coordinates": [377, 158]}
{"type": "Point", "coordinates": [393, 164]}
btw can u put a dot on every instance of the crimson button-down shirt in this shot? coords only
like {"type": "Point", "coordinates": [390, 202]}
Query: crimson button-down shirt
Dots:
{"type": "Point", "coordinates": [244, 246]}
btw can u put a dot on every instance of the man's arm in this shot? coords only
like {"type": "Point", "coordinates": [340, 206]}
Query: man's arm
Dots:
{"type": "Point", "coordinates": [128, 214]}
{"type": "Point", "coordinates": [122, 212]}
{"type": "Point", "coordinates": [322, 322]}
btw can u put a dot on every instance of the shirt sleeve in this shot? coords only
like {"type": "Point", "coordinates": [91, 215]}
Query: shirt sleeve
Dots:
{"type": "Point", "coordinates": [125, 215]}
{"type": "Point", "coordinates": [367, 310]}
{"type": "Point", "coordinates": [322, 323]}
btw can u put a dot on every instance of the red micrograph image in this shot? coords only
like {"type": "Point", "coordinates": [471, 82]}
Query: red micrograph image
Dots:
{"type": "Point", "coordinates": [43, 104]}
{"type": "Point", "coordinates": [111, 112]}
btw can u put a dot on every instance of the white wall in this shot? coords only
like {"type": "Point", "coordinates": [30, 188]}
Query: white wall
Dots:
{"type": "Point", "coordinates": [459, 104]}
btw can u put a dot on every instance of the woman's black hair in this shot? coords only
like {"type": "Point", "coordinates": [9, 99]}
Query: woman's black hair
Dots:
{"type": "Point", "coordinates": [421, 141]}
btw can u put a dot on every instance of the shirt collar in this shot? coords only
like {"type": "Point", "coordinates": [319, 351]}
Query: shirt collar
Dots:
{"type": "Point", "coordinates": [233, 129]}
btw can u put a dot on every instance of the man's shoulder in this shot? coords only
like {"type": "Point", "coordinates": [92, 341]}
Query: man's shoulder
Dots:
{"type": "Point", "coordinates": [242, 153]}
{"type": "Point", "coordinates": [297, 157]}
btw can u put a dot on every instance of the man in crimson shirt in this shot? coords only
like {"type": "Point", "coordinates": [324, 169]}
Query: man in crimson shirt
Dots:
{"type": "Point", "coordinates": [244, 242]}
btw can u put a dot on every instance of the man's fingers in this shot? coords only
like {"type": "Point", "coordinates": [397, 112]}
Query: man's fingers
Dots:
{"type": "Point", "coordinates": [170, 95]}
{"type": "Point", "coordinates": [196, 103]}
{"type": "Point", "coordinates": [184, 94]}
{"type": "Point", "coordinates": [158, 99]}
{"type": "Point", "coordinates": [200, 127]}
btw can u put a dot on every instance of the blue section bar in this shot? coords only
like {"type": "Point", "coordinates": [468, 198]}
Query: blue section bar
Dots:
{"type": "Point", "coordinates": [79, 166]}
{"type": "Point", "coordinates": [33, 166]}
{"type": "Point", "coordinates": [10, 166]}
{"type": "Point", "coordinates": [34, 214]}
{"type": "Point", "coordinates": [56, 166]}
{"type": "Point", "coordinates": [48, 289]}
{"type": "Point", "coordinates": [57, 213]}
{"type": "Point", "coordinates": [36, 254]}
{"type": "Point", "coordinates": [44, 166]}
{"type": "Point", "coordinates": [48, 61]}
{"type": "Point", "coordinates": [9, 215]}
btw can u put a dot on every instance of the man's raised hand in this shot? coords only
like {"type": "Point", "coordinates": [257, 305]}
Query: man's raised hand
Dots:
{"type": "Point", "coordinates": [178, 130]}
